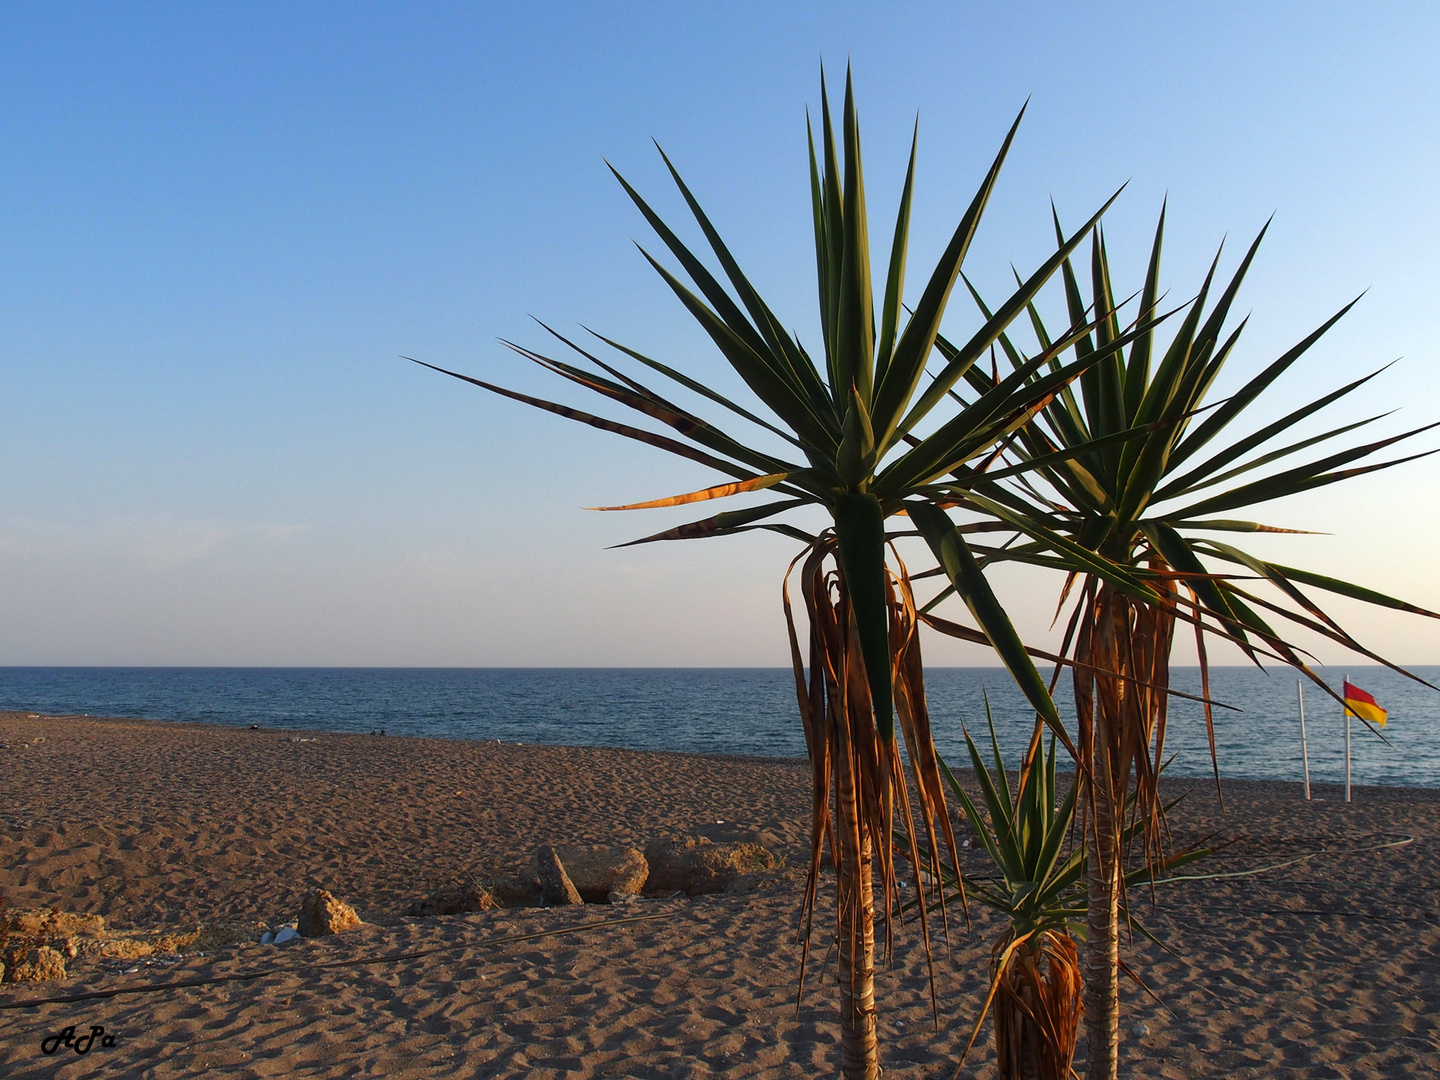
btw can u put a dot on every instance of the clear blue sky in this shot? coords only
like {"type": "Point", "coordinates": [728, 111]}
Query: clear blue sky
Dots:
{"type": "Point", "coordinates": [222, 225]}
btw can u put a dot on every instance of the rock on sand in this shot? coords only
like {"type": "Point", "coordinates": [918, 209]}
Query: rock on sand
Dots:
{"type": "Point", "coordinates": [694, 865]}
{"type": "Point", "coordinates": [597, 871]}
{"type": "Point", "coordinates": [556, 888]}
{"type": "Point", "coordinates": [324, 914]}
{"type": "Point", "coordinates": [41, 965]}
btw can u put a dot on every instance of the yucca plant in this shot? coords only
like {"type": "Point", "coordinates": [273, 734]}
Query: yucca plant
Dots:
{"type": "Point", "coordinates": [1036, 882]}
{"type": "Point", "coordinates": [863, 433]}
{"type": "Point", "coordinates": [1159, 506]}
{"type": "Point", "coordinates": [1038, 886]}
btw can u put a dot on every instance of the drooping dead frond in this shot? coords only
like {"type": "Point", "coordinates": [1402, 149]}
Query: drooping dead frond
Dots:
{"type": "Point", "coordinates": [859, 772]}
{"type": "Point", "coordinates": [1037, 1007]}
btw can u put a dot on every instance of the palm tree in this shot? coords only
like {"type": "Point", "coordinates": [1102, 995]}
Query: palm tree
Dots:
{"type": "Point", "coordinates": [1158, 506]}
{"type": "Point", "coordinates": [848, 431]}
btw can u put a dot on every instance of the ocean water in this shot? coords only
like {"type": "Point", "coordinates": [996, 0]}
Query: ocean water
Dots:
{"type": "Point", "coordinates": [737, 710]}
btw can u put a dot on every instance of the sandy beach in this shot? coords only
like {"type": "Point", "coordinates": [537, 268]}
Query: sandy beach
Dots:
{"type": "Point", "coordinates": [1326, 967]}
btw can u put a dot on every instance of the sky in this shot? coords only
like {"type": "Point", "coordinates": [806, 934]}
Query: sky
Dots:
{"type": "Point", "coordinates": [222, 226]}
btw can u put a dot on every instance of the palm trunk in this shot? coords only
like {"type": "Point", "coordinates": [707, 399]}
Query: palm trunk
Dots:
{"type": "Point", "coordinates": [1102, 921]}
{"type": "Point", "coordinates": [1037, 1009]}
{"type": "Point", "coordinates": [1017, 1039]}
{"type": "Point", "coordinates": [857, 767]}
{"type": "Point", "coordinates": [1102, 916]}
{"type": "Point", "coordinates": [859, 1047]}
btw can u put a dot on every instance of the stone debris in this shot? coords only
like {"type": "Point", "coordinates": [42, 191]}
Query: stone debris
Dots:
{"type": "Point", "coordinates": [455, 900]}
{"type": "Point", "coordinates": [516, 890]}
{"type": "Point", "coordinates": [287, 933]}
{"type": "Point", "coordinates": [220, 934]}
{"type": "Point", "coordinates": [556, 888]}
{"type": "Point", "coordinates": [598, 871]}
{"type": "Point", "coordinates": [41, 965]}
{"type": "Point", "coordinates": [77, 939]}
{"type": "Point", "coordinates": [596, 874]}
{"type": "Point", "coordinates": [46, 943]}
{"type": "Point", "coordinates": [51, 921]}
{"type": "Point", "coordinates": [696, 866]}
{"type": "Point", "coordinates": [324, 914]}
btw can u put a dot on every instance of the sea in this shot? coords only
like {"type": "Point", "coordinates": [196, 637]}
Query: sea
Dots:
{"type": "Point", "coordinates": [747, 711]}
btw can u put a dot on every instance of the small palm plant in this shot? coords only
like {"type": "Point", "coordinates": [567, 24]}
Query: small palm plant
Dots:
{"type": "Point", "coordinates": [1038, 883]}
{"type": "Point", "coordinates": [1038, 886]}
{"type": "Point", "coordinates": [1159, 506]}
{"type": "Point", "coordinates": [848, 427]}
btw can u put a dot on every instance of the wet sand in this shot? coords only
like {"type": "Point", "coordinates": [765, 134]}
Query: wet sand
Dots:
{"type": "Point", "coordinates": [1327, 967]}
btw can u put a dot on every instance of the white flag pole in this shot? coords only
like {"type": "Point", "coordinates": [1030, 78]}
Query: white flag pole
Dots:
{"type": "Point", "coordinates": [1347, 742]}
{"type": "Point", "coordinates": [1304, 747]}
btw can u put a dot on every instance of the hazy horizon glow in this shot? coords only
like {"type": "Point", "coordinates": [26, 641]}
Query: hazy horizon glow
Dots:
{"type": "Point", "coordinates": [224, 227]}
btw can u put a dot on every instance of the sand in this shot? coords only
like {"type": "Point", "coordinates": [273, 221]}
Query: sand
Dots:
{"type": "Point", "coordinates": [1327, 967]}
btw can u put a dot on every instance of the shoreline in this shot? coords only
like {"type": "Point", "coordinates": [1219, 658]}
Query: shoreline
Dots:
{"type": "Point", "coordinates": [333, 733]}
{"type": "Point", "coordinates": [1322, 967]}
{"type": "Point", "coordinates": [1336, 788]}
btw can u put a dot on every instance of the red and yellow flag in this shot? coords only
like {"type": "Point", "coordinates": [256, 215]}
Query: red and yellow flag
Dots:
{"type": "Point", "coordinates": [1361, 704]}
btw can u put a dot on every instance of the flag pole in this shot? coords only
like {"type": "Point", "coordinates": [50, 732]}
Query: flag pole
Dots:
{"type": "Point", "coordinates": [1347, 741]}
{"type": "Point", "coordinates": [1304, 747]}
